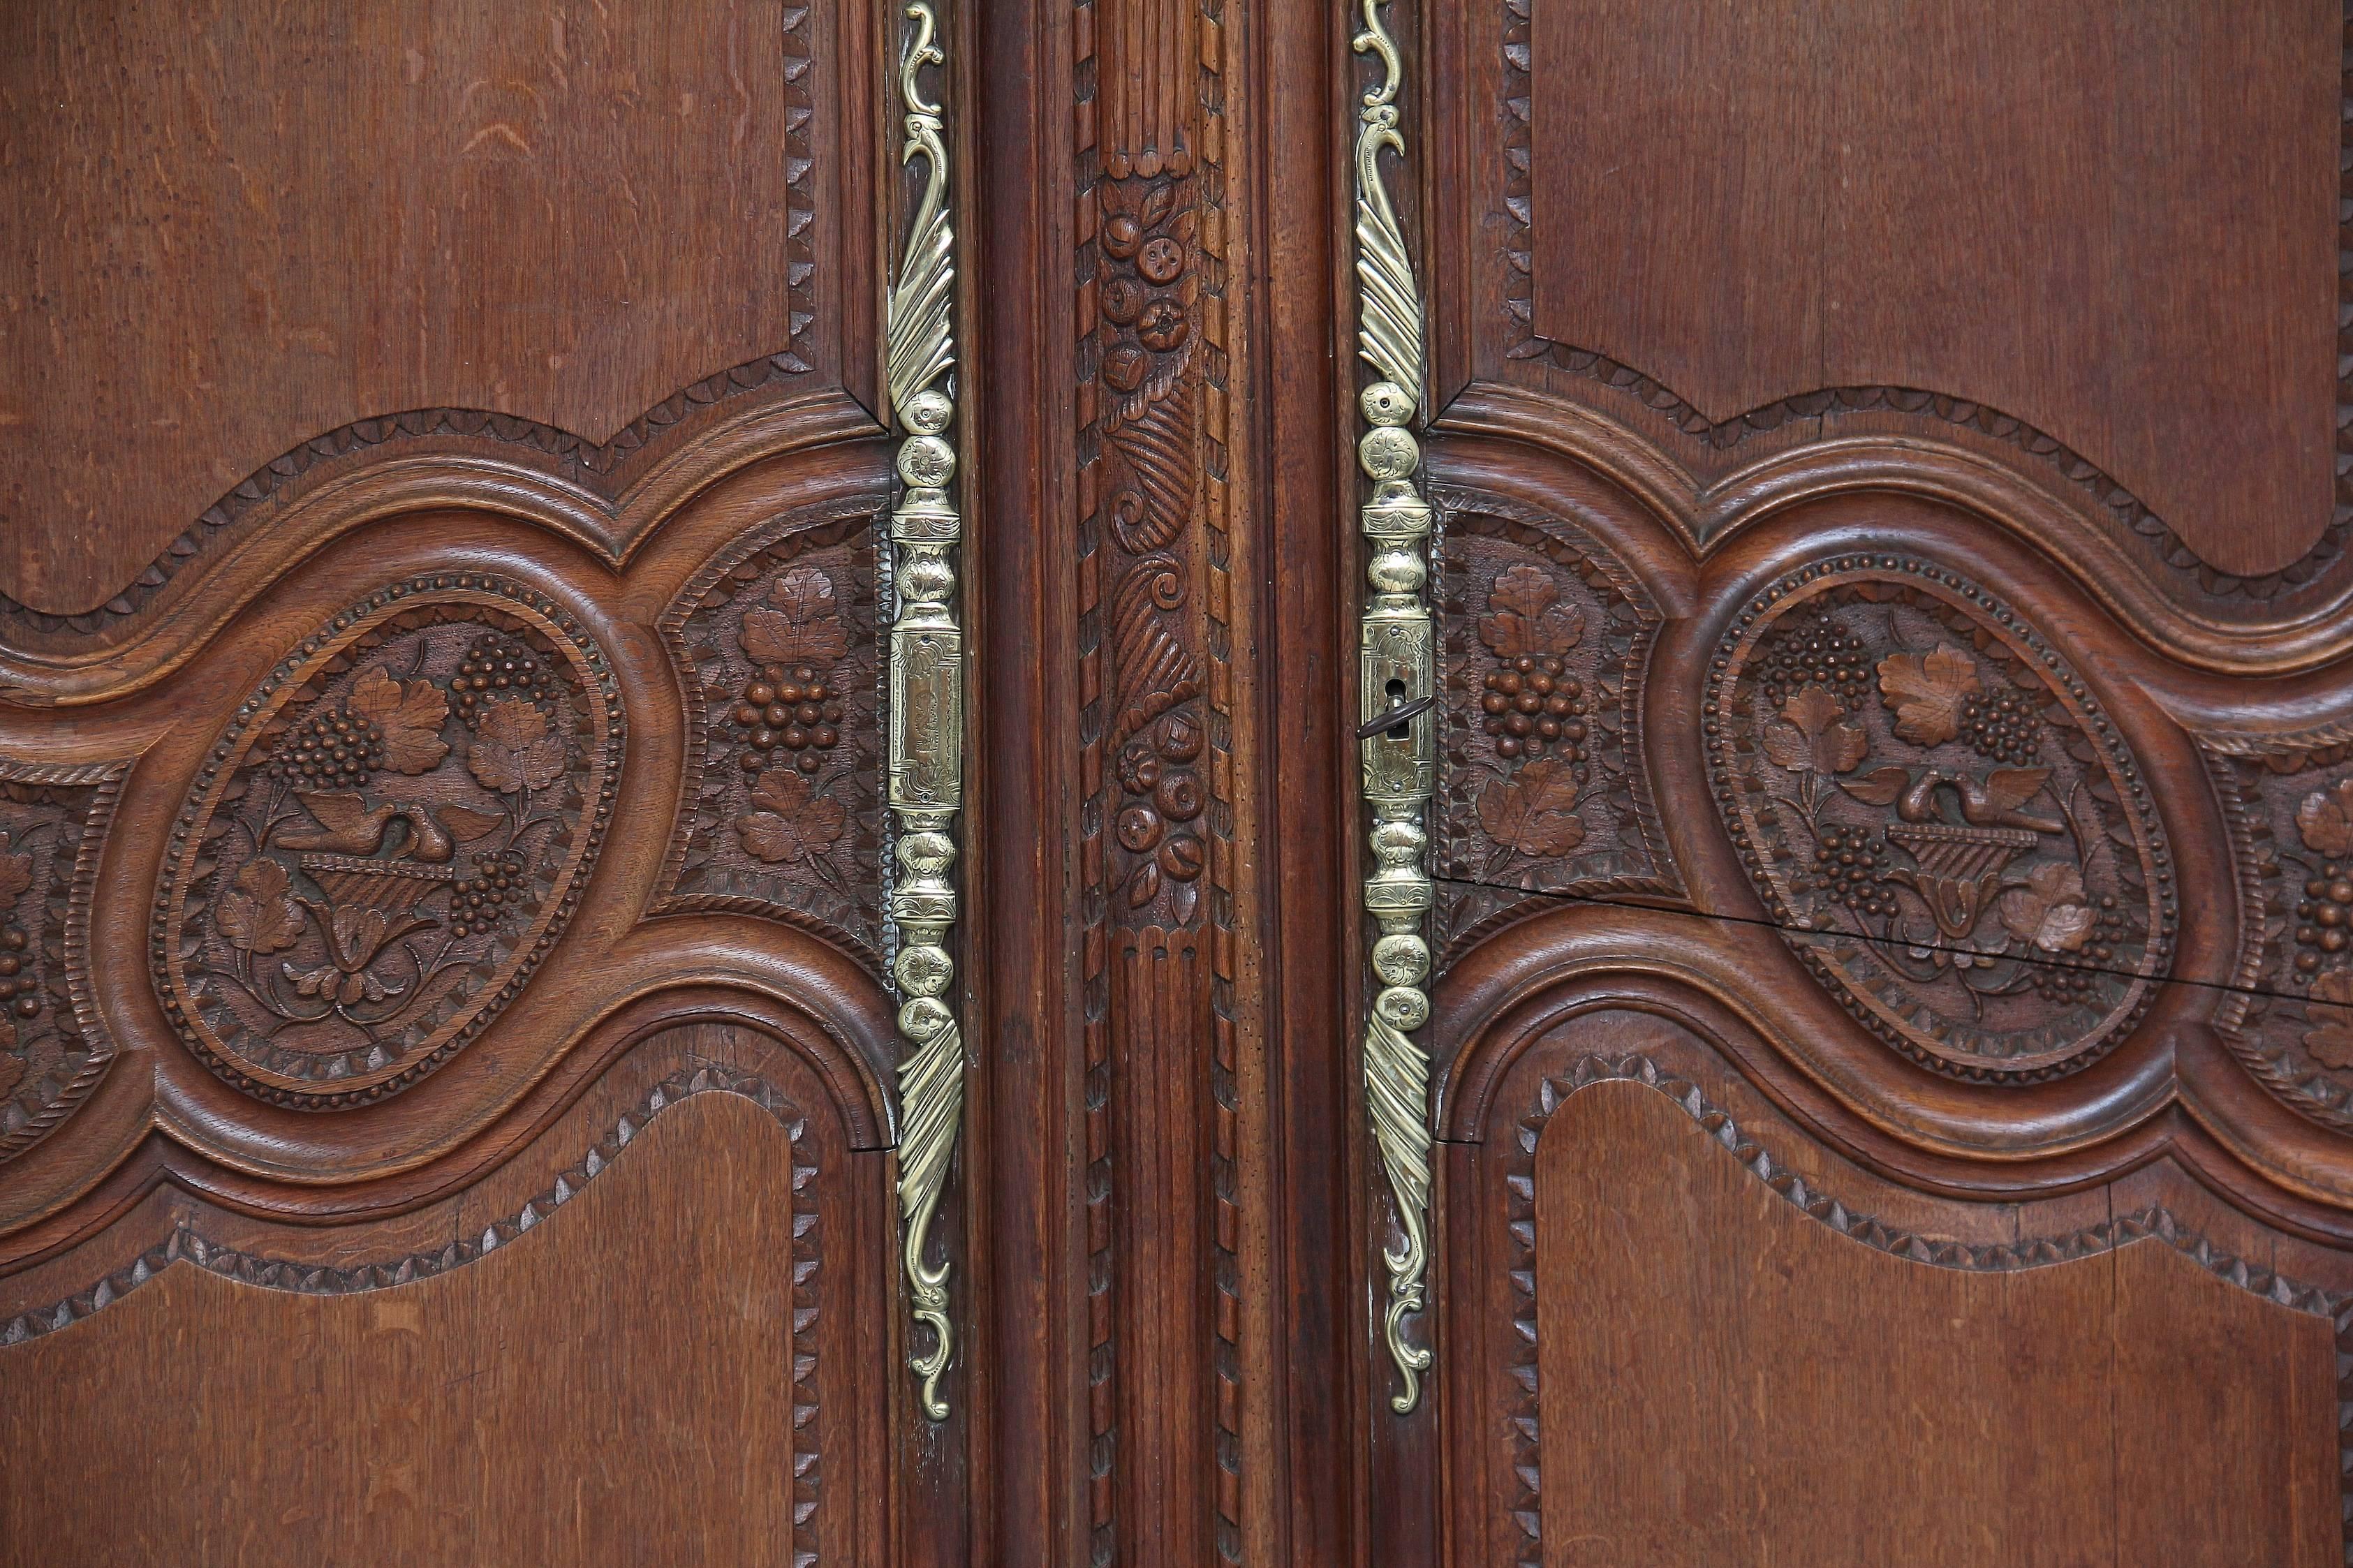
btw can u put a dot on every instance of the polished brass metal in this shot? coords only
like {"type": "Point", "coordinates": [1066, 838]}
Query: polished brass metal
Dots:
{"type": "Point", "coordinates": [1397, 687]}
{"type": "Point", "coordinates": [926, 703]}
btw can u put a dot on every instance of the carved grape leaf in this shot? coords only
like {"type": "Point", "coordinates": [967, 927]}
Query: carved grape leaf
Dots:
{"type": "Point", "coordinates": [256, 914]}
{"type": "Point", "coordinates": [1525, 620]}
{"type": "Point", "coordinates": [1880, 786]}
{"type": "Point", "coordinates": [12, 1069]}
{"type": "Point", "coordinates": [805, 628]}
{"type": "Point", "coordinates": [1928, 692]}
{"type": "Point", "coordinates": [1535, 811]}
{"type": "Point", "coordinates": [2326, 819]}
{"type": "Point", "coordinates": [790, 822]}
{"type": "Point", "coordinates": [410, 716]}
{"type": "Point", "coordinates": [2050, 912]}
{"type": "Point", "coordinates": [512, 750]}
{"type": "Point", "coordinates": [2330, 1038]}
{"type": "Point", "coordinates": [467, 823]}
{"type": "Point", "coordinates": [2007, 789]}
{"type": "Point", "coordinates": [1809, 737]}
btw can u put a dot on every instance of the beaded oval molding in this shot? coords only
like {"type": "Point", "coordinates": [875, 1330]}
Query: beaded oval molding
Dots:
{"type": "Point", "coordinates": [1946, 826]}
{"type": "Point", "coordinates": [387, 840]}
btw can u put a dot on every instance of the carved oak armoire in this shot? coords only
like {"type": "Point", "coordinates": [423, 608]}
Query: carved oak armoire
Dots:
{"type": "Point", "coordinates": [1159, 784]}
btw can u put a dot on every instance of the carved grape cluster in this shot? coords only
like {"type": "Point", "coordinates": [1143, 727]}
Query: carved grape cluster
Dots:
{"type": "Point", "coordinates": [496, 665]}
{"type": "Point", "coordinates": [2325, 916]}
{"type": "Point", "coordinates": [1816, 651]}
{"type": "Point", "coordinates": [1532, 705]}
{"type": "Point", "coordinates": [497, 889]}
{"type": "Point", "coordinates": [2069, 979]}
{"type": "Point", "coordinates": [1849, 863]}
{"type": "Point", "coordinates": [787, 707]}
{"type": "Point", "coordinates": [332, 748]}
{"type": "Point", "coordinates": [2004, 724]}
{"type": "Point", "coordinates": [19, 986]}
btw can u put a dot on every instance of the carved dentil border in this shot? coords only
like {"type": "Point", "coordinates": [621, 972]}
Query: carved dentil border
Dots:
{"type": "Point", "coordinates": [2130, 515]}
{"type": "Point", "coordinates": [187, 1246]}
{"type": "Point", "coordinates": [1523, 1404]}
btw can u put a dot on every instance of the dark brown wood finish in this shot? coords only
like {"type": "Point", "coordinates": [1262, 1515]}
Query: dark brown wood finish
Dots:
{"type": "Point", "coordinates": [1894, 824]}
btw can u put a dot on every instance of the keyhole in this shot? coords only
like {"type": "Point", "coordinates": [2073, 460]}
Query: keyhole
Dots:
{"type": "Point", "coordinates": [1397, 700]}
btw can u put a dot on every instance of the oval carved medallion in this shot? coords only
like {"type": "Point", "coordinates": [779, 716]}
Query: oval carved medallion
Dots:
{"type": "Point", "coordinates": [387, 840]}
{"type": "Point", "coordinates": [1940, 817]}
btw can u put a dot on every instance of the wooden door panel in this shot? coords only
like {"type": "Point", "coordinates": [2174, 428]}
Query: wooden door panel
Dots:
{"type": "Point", "coordinates": [441, 790]}
{"type": "Point", "coordinates": [2117, 227]}
{"type": "Point", "coordinates": [1882, 725]}
{"type": "Point", "coordinates": [666, 1298]}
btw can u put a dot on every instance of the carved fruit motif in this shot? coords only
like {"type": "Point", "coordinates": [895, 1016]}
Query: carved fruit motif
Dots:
{"type": "Point", "coordinates": [2291, 808]}
{"type": "Point", "coordinates": [387, 840]}
{"type": "Point", "coordinates": [1937, 813]}
{"type": "Point", "coordinates": [778, 644]}
{"type": "Point", "coordinates": [53, 1047]}
{"type": "Point", "coordinates": [1543, 636]}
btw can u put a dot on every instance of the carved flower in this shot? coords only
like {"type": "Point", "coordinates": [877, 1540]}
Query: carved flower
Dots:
{"type": "Point", "coordinates": [2326, 818]}
{"type": "Point", "coordinates": [1809, 737]}
{"type": "Point", "coordinates": [1162, 325]}
{"type": "Point", "coordinates": [2050, 912]}
{"type": "Point", "coordinates": [2330, 1010]}
{"type": "Point", "coordinates": [1525, 620]}
{"type": "Point", "coordinates": [336, 986]}
{"type": "Point", "coordinates": [410, 716]}
{"type": "Point", "coordinates": [256, 914]}
{"type": "Point", "coordinates": [792, 822]}
{"type": "Point", "coordinates": [1139, 769]}
{"type": "Point", "coordinates": [1534, 811]}
{"type": "Point", "coordinates": [512, 750]}
{"type": "Point", "coordinates": [805, 626]}
{"type": "Point", "coordinates": [1928, 692]}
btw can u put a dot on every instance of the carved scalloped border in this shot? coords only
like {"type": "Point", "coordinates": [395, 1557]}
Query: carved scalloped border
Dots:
{"type": "Point", "coordinates": [187, 1245]}
{"type": "Point", "coordinates": [2131, 516]}
{"type": "Point", "coordinates": [567, 454]}
{"type": "Point", "coordinates": [600, 695]}
{"type": "Point", "coordinates": [1663, 878]}
{"type": "Point", "coordinates": [696, 761]}
{"type": "Point", "coordinates": [107, 779]}
{"type": "Point", "coordinates": [1522, 1404]}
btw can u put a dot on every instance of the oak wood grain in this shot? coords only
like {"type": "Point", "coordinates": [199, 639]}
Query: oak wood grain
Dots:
{"type": "Point", "coordinates": [247, 226]}
{"type": "Point", "coordinates": [1724, 1376]}
{"type": "Point", "coordinates": [2118, 223]}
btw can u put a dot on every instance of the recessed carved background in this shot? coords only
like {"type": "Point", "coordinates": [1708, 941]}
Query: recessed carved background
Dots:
{"type": "Point", "coordinates": [2290, 805]}
{"type": "Point", "coordinates": [1935, 810]}
{"type": "Point", "coordinates": [387, 839]}
{"type": "Point", "coordinates": [1544, 637]}
{"type": "Point", "coordinates": [778, 643]}
{"type": "Point", "coordinates": [53, 1045]}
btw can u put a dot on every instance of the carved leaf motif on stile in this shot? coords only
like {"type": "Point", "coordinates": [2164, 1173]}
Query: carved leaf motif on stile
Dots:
{"type": "Point", "coordinates": [1147, 343]}
{"type": "Point", "coordinates": [387, 840]}
{"type": "Point", "coordinates": [53, 1047]}
{"type": "Point", "coordinates": [779, 643]}
{"type": "Point", "coordinates": [1940, 817]}
{"type": "Point", "coordinates": [1543, 637]}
